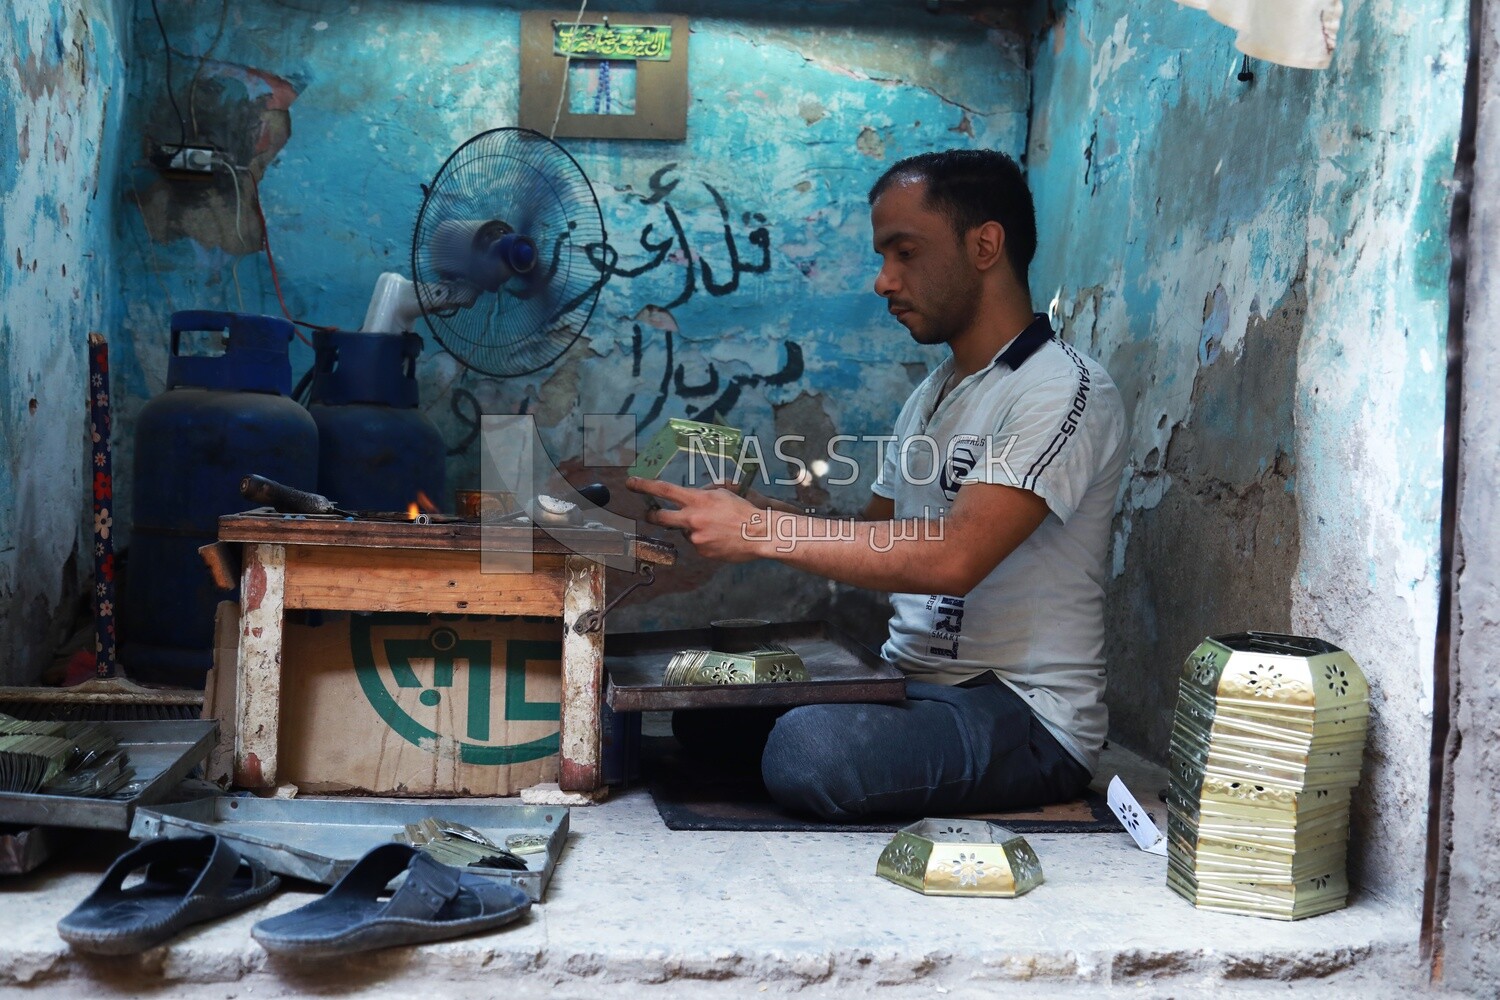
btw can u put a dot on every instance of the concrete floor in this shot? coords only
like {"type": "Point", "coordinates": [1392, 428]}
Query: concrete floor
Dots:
{"type": "Point", "coordinates": [638, 909]}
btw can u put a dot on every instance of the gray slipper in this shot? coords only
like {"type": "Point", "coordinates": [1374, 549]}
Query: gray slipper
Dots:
{"type": "Point", "coordinates": [434, 902]}
{"type": "Point", "coordinates": [187, 880]}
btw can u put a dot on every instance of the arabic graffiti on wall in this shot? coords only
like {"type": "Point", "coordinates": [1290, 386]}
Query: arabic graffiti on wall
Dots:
{"type": "Point", "coordinates": [741, 244]}
{"type": "Point", "coordinates": [658, 247]}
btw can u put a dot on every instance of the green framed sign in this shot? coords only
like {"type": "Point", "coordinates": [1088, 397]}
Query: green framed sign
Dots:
{"type": "Point", "coordinates": [640, 42]}
{"type": "Point", "coordinates": [605, 75]}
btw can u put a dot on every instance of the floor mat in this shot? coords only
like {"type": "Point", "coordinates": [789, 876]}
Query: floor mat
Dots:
{"type": "Point", "coordinates": [693, 795]}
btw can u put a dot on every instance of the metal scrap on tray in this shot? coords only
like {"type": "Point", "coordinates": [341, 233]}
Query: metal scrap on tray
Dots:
{"type": "Point", "coordinates": [838, 668]}
{"type": "Point", "coordinates": [320, 840]}
{"type": "Point", "coordinates": [762, 666]}
{"type": "Point", "coordinates": [459, 845]}
{"type": "Point", "coordinates": [60, 758]}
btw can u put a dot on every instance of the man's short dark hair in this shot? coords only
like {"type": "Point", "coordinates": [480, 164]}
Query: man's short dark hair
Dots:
{"type": "Point", "coordinates": [972, 187]}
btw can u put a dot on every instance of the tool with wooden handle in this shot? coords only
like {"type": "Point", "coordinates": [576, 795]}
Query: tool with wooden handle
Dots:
{"type": "Point", "coordinates": [286, 499]}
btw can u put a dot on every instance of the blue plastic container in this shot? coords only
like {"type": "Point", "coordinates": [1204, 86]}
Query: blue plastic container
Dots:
{"type": "Point", "coordinates": [376, 450]}
{"type": "Point", "coordinates": [221, 417]}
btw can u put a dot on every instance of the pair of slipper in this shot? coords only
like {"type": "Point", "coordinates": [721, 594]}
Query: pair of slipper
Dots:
{"type": "Point", "coordinates": [190, 880]}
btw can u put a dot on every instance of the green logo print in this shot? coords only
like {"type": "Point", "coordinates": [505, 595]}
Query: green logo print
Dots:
{"type": "Point", "coordinates": [446, 650]}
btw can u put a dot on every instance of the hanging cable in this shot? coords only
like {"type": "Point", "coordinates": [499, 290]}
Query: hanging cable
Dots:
{"type": "Point", "coordinates": [562, 91]}
{"type": "Point", "coordinates": [198, 70]}
{"type": "Point", "coordinates": [150, 248]}
{"type": "Point", "coordinates": [234, 272]}
{"type": "Point", "coordinates": [239, 233]}
{"type": "Point", "coordinates": [171, 95]}
{"type": "Point", "coordinates": [265, 244]}
{"type": "Point", "coordinates": [234, 175]}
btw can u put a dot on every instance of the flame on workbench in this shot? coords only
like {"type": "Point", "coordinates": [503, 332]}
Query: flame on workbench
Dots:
{"type": "Point", "coordinates": [421, 505]}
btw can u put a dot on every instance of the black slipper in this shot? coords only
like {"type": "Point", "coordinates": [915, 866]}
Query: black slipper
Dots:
{"type": "Point", "coordinates": [188, 880]}
{"type": "Point", "coordinates": [434, 902]}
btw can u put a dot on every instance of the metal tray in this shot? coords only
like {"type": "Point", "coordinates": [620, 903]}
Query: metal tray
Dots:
{"type": "Point", "coordinates": [843, 671]}
{"type": "Point", "coordinates": [320, 839]}
{"type": "Point", "coordinates": [162, 753]}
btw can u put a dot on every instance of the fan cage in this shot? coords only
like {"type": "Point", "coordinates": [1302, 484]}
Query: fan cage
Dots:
{"type": "Point", "coordinates": [525, 180]}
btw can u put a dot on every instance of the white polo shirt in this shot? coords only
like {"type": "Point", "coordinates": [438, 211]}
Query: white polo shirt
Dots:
{"type": "Point", "coordinates": [1041, 417]}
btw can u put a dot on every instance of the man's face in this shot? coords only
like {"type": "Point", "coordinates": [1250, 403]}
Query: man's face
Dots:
{"type": "Point", "coordinates": [926, 277]}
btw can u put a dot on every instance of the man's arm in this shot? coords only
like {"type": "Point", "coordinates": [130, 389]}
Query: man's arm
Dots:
{"type": "Point", "coordinates": [763, 502]}
{"type": "Point", "coordinates": [945, 556]}
{"type": "Point", "coordinates": [878, 509]}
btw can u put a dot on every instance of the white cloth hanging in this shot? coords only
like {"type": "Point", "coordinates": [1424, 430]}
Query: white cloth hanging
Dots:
{"type": "Point", "coordinates": [1297, 33]}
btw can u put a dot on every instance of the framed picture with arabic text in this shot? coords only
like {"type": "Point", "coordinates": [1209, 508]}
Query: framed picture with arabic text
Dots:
{"type": "Point", "coordinates": [602, 76]}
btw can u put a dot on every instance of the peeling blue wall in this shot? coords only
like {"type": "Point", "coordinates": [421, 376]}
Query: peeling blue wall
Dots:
{"type": "Point", "coordinates": [342, 111]}
{"type": "Point", "coordinates": [1262, 266]}
{"type": "Point", "coordinates": [61, 89]}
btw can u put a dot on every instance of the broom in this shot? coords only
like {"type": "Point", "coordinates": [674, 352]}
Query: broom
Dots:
{"type": "Point", "coordinates": [107, 695]}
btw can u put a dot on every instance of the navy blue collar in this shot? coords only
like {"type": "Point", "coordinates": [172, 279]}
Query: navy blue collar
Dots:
{"type": "Point", "coordinates": [1026, 343]}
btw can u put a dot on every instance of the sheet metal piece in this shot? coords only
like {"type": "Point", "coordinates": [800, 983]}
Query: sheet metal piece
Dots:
{"type": "Point", "coordinates": [23, 849]}
{"type": "Point", "coordinates": [320, 839]}
{"type": "Point", "coordinates": [841, 670]}
{"type": "Point", "coordinates": [161, 751]}
{"type": "Point", "coordinates": [692, 453]}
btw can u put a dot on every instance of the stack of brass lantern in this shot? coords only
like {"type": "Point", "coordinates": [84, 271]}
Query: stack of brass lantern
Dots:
{"type": "Point", "coordinates": [1266, 749]}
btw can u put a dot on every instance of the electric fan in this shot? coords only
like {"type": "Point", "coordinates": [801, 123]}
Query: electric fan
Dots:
{"type": "Point", "coordinates": [500, 257]}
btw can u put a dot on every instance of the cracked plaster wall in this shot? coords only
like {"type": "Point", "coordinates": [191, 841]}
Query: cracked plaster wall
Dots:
{"type": "Point", "coordinates": [1470, 930]}
{"type": "Point", "coordinates": [1263, 269]}
{"type": "Point", "coordinates": [61, 83]}
{"type": "Point", "coordinates": [338, 111]}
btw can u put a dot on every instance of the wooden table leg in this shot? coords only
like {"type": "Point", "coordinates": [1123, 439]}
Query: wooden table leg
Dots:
{"type": "Point", "coordinates": [258, 694]}
{"type": "Point", "coordinates": [582, 678]}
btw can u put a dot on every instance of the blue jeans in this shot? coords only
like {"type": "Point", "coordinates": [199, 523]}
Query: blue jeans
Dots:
{"type": "Point", "coordinates": [943, 750]}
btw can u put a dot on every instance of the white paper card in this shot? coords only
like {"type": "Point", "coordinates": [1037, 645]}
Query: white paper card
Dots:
{"type": "Point", "coordinates": [1136, 820]}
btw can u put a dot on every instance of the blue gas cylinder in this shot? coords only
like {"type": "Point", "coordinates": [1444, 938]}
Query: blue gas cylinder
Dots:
{"type": "Point", "coordinates": [221, 417]}
{"type": "Point", "coordinates": [376, 450]}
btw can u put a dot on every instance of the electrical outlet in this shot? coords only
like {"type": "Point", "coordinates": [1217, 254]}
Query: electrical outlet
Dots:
{"type": "Point", "coordinates": [184, 159]}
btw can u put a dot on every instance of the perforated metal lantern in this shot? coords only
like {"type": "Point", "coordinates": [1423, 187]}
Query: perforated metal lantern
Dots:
{"type": "Point", "coordinates": [694, 454]}
{"type": "Point", "coordinates": [952, 857]}
{"type": "Point", "coordinates": [707, 666]}
{"type": "Point", "coordinates": [1283, 901]}
{"type": "Point", "coordinates": [1271, 709]}
{"type": "Point", "coordinates": [1267, 742]}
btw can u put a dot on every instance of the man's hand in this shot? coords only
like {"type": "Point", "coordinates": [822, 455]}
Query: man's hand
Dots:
{"type": "Point", "coordinates": [757, 499]}
{"type": "Point", "coordinates": [719, 524]}
{"type": "Point", "coordinates": [947, 555]}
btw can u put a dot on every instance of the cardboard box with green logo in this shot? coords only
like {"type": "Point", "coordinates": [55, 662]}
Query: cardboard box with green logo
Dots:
{"type": "Point", "coordinates": [415, 704]}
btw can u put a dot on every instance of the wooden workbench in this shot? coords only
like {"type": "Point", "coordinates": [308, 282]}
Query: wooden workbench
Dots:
{"type": "Point", "coordinates": [339, 564]}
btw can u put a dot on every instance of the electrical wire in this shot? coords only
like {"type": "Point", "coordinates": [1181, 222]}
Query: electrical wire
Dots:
{"type": "Point", "coordinates": [171, 94]}
{"type": "Point", "coordinates": [276, 278]}
{"type": "Point", "coordinates": [221, 160]}
{"type": "Point", "coordinates": [562, 91]}
{"type": "Point", "coordinates": [234, 272]}
{"type": "Point", "coordinates": [265, 237]}
{"type": "Point", "coordinates": [151, 251]}
{"type": "Point", "coordinates": [234, 175]}
{"type": "Point", "coordinates": [198, 70]}
{"type": "Point", "coordinates": [234, 267]}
